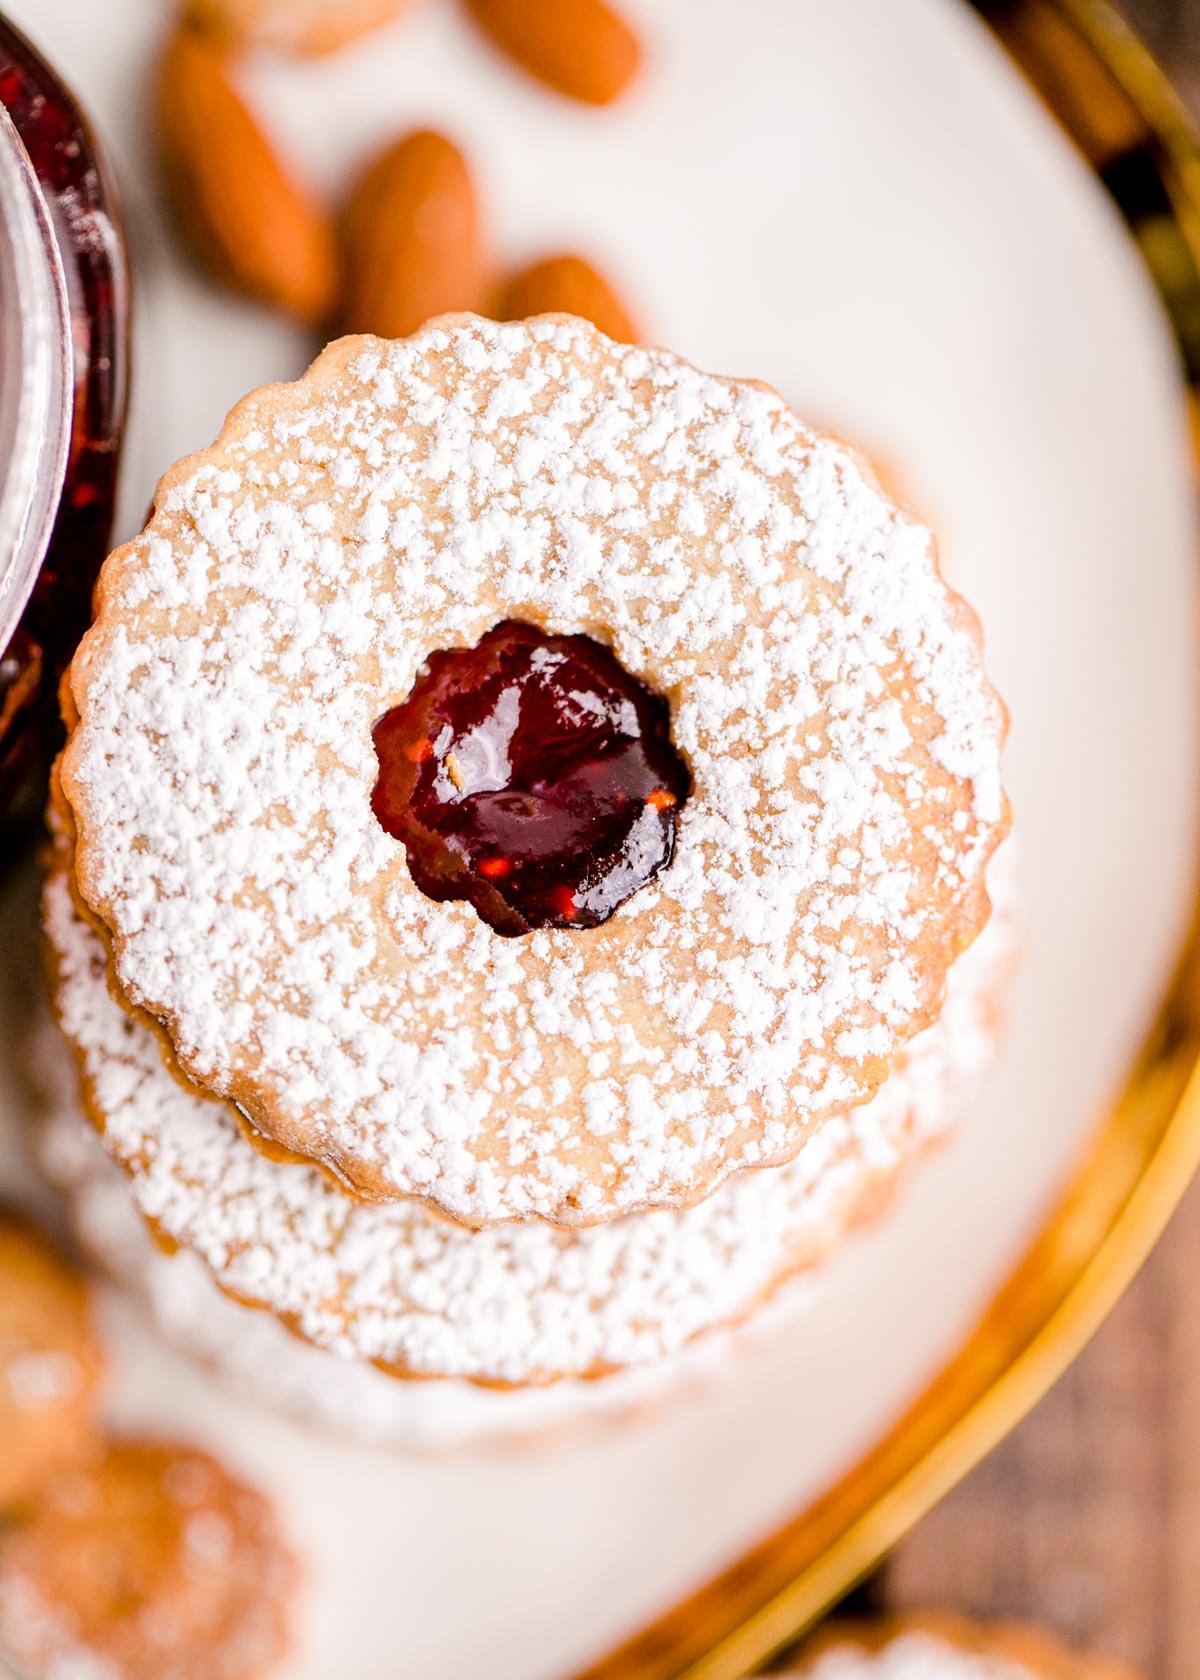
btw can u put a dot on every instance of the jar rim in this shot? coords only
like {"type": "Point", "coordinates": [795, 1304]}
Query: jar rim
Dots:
{"type": "Point", "coordinates": [36, 377]}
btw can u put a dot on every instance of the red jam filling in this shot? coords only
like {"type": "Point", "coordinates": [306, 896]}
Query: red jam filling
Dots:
{"type": "Point", "coordinates": [80, 200]}
{"type": "Point", "coordinates": [532, 776]}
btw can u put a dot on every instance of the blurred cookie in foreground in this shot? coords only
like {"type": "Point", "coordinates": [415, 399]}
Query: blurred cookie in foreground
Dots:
{"type": "Point", "coordinates": [153, 1563]}
{"type": "Point", "coordinates": [50, 1363]}
{"type": "Point", "coordinates": [945, 1647]}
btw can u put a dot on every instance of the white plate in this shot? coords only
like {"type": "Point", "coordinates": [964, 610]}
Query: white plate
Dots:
{"type": "Point", "coordinates": [863, 204]}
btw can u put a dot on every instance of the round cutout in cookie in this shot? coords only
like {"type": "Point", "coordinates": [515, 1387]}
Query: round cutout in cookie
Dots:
{"type": "Point", "coordinates": [938, 1646]}
{"type": "Point", "coordinates": [825, 689]}
{"type": "Point", "coordinates": [397, 1284]}
{"type": "Point", "coordinates": [153, 1563]}
{"type": "Point", "coordinates": [50, 1363]}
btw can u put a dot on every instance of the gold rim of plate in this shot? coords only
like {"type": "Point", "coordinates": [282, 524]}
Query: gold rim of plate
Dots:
{"type": "Point", "coordinates": [1120, 110]}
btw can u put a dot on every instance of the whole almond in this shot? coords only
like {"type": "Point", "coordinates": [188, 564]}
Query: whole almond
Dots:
{"type": "Point", "coordinates": [566, 285]}
{"type": "Point", "coordinates": [256, 227]}
{"type": "Point", "coordinates": [411, 240]}
{"type": "Point", "coordinates": [581, 47]}
{"type": "Point", "coordinates": [291, 26]}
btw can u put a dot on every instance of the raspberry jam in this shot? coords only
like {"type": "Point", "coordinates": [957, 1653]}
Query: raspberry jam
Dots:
{"type": "Point", "coordinates": [59, 241]}
{"type": "Point", "coordinates": [532, 776]}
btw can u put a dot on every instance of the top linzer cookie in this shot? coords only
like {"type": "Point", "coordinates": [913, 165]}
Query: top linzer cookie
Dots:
{"type": "Point", "coordinates": [526, 773]}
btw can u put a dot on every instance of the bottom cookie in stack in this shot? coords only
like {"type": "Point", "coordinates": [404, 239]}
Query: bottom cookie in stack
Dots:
{"type": "Point", "coordinates": [262, 1361]}
{"type": "Point", "coordinates": [515, 1329]}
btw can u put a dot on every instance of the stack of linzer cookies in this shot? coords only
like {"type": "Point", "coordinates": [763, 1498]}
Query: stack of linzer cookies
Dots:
{"type": "Point", "coordinates": [519, 877]}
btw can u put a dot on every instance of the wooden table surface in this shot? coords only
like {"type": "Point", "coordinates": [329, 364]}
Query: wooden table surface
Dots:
{"type": "Point", "coordinates": [1088, 1517]}
{"type": "Point", "coordinates": [1172, 29]}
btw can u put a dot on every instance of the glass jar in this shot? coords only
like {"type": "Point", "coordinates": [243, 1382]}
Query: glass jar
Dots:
{"type": "Point", "coordinates": [64, 302]}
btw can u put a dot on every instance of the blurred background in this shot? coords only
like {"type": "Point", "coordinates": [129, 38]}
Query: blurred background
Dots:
{"type": "Point", "coordinates": [1172, 29]}
{"type": "Point", "coordinates": [1088, 1517]}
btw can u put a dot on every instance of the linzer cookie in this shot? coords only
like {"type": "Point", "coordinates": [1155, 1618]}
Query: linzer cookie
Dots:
{"type": "Point", "coordinates": [153, 1563]}
{"type": "Point", "coordinates": [50, 1364]}
{"type": "Point", "coordinates": [651, 893]}
{"type": "Point", "coordinates": [944, 1647]}
{"type": "Point", "coordinates": [521, 1303]}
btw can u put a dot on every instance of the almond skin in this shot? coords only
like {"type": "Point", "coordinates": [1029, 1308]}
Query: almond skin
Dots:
{"type": "Point", "coordinates": [254, 226]}
{"type": "Point", "coordinates": [580, 47]}
{"type": "Point", "coordinates": [566, 285]}
{"type": "Point", "coordinates": [411, 240]}
{"type": "Point", "coordinates": [308, 27]}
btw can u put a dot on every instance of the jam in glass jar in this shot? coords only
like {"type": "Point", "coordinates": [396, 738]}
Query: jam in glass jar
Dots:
{"type": "Point", "coordinates": [63, 363]}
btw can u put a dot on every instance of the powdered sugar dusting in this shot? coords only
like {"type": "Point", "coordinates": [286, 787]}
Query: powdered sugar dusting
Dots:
{"type": "Point", "coordinates": [519, 1303]}
{"type": "Point", "coordinates": [825, 689]}
{"type": "Point", "coordinates": [913, 1656]}
{"type": "Point", "coordinates": [252, 1352]}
